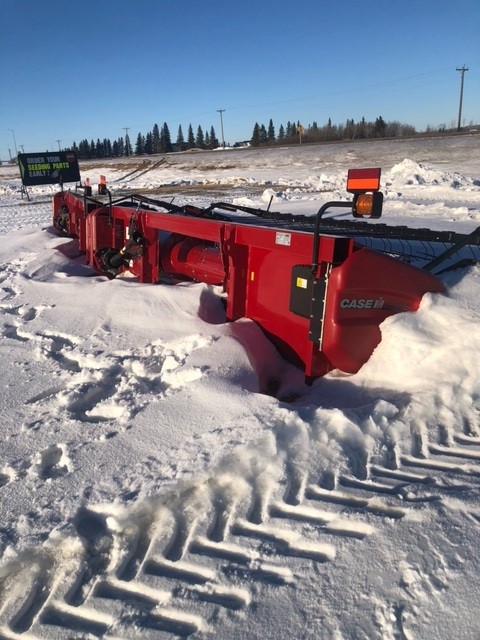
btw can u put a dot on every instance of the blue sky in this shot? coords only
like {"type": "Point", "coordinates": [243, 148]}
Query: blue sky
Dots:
{"type": "Point", "coordinates": [72, 70]}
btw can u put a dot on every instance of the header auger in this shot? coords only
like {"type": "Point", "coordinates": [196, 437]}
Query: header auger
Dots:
{"type": "Point", "coordinates": [319, 288]}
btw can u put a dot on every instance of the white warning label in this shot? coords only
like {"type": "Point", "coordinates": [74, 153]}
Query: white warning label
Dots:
{"type": "Point", "coordinates": [283, 238]}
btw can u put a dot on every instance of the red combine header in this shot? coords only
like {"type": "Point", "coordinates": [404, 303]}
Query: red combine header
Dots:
{"type": "Point", "coordinates": [311, 283]}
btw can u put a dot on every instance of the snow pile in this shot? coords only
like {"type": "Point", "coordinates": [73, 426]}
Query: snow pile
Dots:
{"type": "Point", "coordinates": [410, 173]}
{"type": "Point", "coordinates": [432, 356]}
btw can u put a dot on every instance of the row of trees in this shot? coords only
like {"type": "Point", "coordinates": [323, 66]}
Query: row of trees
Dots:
{"type": "Point", "coordinates": [294, 132]}
{"type": "Point", "coordinates": [159, 140]}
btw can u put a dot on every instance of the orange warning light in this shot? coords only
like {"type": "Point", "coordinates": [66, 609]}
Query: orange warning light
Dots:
{"type": "Point", "coordinates": [367, 205]}
{"type": "Point", "coordinates": [362, 180]}
{"type": "Point", "coordinates": [364, 204]}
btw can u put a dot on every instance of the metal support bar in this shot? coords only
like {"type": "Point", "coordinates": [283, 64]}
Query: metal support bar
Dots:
{"type": "Point", "coordinates": [316, 231]}
{"type": "Point", "coordinates": [471, 239]}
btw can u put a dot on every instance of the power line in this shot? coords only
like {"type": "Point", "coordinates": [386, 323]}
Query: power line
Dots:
{"type": "Point", "coordinates": [376, 85]}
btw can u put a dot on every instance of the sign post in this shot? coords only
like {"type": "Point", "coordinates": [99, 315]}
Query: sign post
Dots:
{"type": "Point", "coordinates": [300, 130]}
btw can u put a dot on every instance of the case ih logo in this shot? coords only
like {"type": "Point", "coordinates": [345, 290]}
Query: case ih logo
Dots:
{"type": "Point", "coordinates": [362, 303]}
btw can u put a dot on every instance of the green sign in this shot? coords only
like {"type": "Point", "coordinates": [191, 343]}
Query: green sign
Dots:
{"type": "Point", "coordinates": [48, 168]}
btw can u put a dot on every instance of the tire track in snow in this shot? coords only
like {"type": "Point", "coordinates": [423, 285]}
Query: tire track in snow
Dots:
{"type": "Point", "coordinates": [202, 543]}
{"type": "Point", "coordinates": [140, 171]}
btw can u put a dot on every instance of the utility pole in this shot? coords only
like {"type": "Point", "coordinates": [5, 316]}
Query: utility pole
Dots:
{"type": "Point", "coordinates": [220, 111]}
{"type": "Point", "coordinates": [14, 141]}
{"type": "Point", "coordinates": [462, 71]}
{"type": "Point", "coordinates": [127, 140]}
{"type": "Point", "coordinates": [59, 144]}
{"type": "Point", "coordinates": [10, 154]}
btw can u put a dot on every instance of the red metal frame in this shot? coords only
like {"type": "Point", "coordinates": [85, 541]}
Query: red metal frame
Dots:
{"type": "Point", "coordinates": [350, 291]}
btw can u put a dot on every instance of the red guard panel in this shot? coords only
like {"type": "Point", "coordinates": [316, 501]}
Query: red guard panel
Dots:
{"type": "Point", "coordinates": [271, 256]}
{"type": "Point", "coordinates": [363, 291]}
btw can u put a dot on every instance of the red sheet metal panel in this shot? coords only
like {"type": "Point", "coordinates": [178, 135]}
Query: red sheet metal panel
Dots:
{"type": "Point", "coordinates": [363, 291]}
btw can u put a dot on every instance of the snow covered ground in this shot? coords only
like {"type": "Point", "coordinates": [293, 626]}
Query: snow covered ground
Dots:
{"type": "Point", "coordinates": [149, 490]}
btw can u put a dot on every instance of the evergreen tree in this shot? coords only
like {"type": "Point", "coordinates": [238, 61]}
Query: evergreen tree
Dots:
{"type": "Point", "coordinates": [331, 130]}
{"type": "Point", "coordinates": [165, 144]}
{"type": "Point", "coordinates": [148, 148]}
{"type": "Point", "coordinates": [271, 132]}
{"type": "Point", "coordinates": [214, 143]}
{"type": "Point", "coordinates": [92, 149]}
{"type": "Point", "coordinates": [281, 133]}
{"type": "Point", "coordinates": [128, 147]}
{"type": "Point", "coordinates": [155, 139]}
{"type": "Point", "coordinates": [121, 147]}
{"type": "Point", "coordinates": [207, 140]}
{"type": "Point", "coordinates": [140, 145]}
{"type": "Point", "coordinates": [200, 140]}
{"type": "Point", "coordinates": [255, 139]}
{"type": "Point", "coordinates": [263, 135]}
{"type": "Point", "coordinates": [82, 150]}
{"type": "Point", "coordinates": [349, 130]}
{"type": "Point", "coordinates": [190, 138]}
{"type": "Point", "coordinates": [180, 140]}
{"type": "Point", "coordinates": [361, 129]}
{"type": "Point", "coordinates": [379, 128]}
